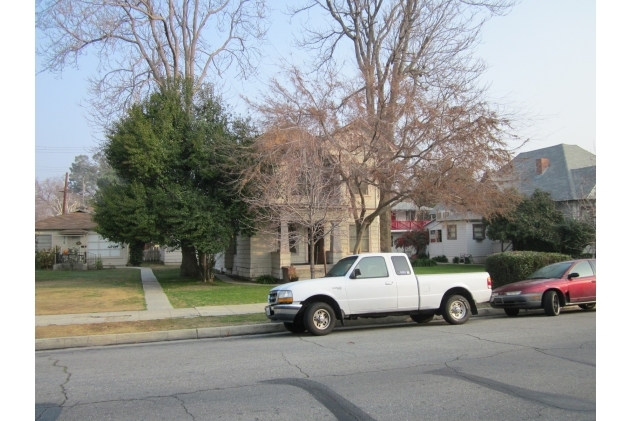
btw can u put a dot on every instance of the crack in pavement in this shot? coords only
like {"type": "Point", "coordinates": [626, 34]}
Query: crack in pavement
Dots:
{"type": "Point", "coordinates": [184, 406]}
{"type": "Point", "coordinates": [64, 392]}
{"type": "Point", "coordinates": [293, 365]}
{"type": "Point", "coordinates": [327, 347]}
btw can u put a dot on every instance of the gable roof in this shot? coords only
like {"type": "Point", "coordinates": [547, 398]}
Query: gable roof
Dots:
{"type": "Point", "coordinates": [567, 172]}
{"type": "Point", "coordinates": [70, 221]}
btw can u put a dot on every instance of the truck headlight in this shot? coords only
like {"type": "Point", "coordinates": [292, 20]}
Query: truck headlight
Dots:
{"type": "Point", "coordinates": [285, 297]}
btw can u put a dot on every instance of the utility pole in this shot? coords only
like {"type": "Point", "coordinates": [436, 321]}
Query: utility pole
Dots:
{"type": "Point", "coordinates": [65, 206]}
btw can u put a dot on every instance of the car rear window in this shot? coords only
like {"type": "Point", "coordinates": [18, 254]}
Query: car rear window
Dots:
{"type": "Point", "coordinates": [554, 271]}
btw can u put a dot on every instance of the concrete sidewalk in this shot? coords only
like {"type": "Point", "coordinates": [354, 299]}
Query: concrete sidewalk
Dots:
{"type": "Point", "coordinates": [159, 307]}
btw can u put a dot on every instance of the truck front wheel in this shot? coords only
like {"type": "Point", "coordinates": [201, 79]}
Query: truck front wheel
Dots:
{"type": "Point", "coordinates": [319, 319]}
{"type": "Point", "coordinates": [456, 310]}
{"type": "Point", "coordinates": [296, 327]}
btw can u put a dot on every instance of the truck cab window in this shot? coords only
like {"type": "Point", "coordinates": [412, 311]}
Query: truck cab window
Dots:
{"type": "Point", "coordinates": [401, 266]}
{"type": "Point", "coordinates": [372, 267]}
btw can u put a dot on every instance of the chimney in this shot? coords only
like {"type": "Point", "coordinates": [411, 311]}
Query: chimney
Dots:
{"type": "Point", "coordinates": [542, 165]}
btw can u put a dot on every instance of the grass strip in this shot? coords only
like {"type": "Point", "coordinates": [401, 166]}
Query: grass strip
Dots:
{"type": "Point", "coordinates": [60, 331]}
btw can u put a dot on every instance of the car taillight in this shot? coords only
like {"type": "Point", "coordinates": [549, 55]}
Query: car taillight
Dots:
{"type": "Point", "coordinates": [489, 283]}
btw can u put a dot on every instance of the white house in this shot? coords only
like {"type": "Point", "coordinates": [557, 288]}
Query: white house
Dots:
{"type": "Point", "coordinates": [74, 235]}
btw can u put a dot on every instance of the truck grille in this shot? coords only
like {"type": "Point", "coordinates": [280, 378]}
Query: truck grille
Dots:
{"type": "Point", "coordinates": [271, 298]}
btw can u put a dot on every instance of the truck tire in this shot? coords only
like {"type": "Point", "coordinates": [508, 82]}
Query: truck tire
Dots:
{"type": "Point", "coordinates": [511, 312]}
{"type": "Point", "coordinates": [319, 319]}
{"type": "Point", "coordinates": [456, 310]}
{"type": "Point", "coordinates": [422, 318]}
{"type": "Point", "coordinates": [551, 303]}
{"type": "Point", "coordinates": [296, 327]}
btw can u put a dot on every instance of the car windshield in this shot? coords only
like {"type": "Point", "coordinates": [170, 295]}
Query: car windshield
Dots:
{"type": "Point", "coordinates": [554, 271]}
{"type": "Point", "coordinates": [342, 267]}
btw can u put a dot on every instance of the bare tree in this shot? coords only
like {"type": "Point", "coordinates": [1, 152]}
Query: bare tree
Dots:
{"type": "Point", "coordinates": [147, 44]}
{"type": "Point", "coordinates": [441, 153]}
{"type": "Point", "coordinates": [294, 183]}
{"type": "Point", "coordinates": [421, 115]}
{"type": "Point", "coordinates": [49, 198]}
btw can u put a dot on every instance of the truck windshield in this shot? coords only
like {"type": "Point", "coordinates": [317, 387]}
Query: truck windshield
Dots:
{"type": "Point", "coordinates": [341, 267]}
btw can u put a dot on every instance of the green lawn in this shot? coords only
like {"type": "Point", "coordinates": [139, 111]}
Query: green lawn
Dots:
{"type": "Point", "coordinates": [186, 293]}
{"type": "Point", "coordinates": [443, 269]}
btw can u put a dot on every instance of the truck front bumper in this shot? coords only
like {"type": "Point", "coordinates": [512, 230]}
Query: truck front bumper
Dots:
{"type": "Point", "coordinates": [282, 312]}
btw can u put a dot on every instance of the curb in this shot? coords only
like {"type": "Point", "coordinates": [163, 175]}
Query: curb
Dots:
{"type": "Point", "coordinates": [48, 344]}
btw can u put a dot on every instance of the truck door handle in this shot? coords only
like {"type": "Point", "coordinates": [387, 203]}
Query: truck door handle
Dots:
{"type": "Point", "coordinates": [389, 282]}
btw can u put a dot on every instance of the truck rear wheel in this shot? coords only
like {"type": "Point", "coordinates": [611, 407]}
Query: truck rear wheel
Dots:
{"type": "Point", "coordinates": [319, 319]}
{"type": "Point", "coordinates": [456, 310]}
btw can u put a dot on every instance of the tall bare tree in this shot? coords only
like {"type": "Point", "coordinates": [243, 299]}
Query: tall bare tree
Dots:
{"type": "Point", "coordinates": [441, 153]}
{"type": "Point", "coordinates": [420, 111]}
{"type": "Point", "coordinates": [146, 45]}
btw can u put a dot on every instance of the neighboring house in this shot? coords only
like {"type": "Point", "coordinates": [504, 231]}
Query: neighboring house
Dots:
{"type": "Point", "coordinates": [73, 233]}
{"type": "Point", "coordinates": [406, 216]}
{"type": "Point", "coordinates": [264, 254]}
{"type": "Point", "coordinates": [454, 235]}
{"type": "Point", "coordinates": [567, 172]}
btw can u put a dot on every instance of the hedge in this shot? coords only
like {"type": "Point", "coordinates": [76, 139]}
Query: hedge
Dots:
{"type": "Point", "coordinates": [423, 262]}
{"type": "Point", "coordinates": [514, 266]}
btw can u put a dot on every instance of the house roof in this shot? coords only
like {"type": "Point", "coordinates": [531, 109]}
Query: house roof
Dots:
{"type": "Point", "coordinates": [74, 222]}
{"type": "Point", "coordinates": [567, 172]}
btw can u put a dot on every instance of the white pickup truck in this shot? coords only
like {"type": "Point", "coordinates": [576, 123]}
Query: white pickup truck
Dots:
{"type": "Point", "coordinates": [375, 285]}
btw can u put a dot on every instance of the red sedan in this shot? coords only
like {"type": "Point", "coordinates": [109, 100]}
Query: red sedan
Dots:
{"type": "Point", "coordinates": [562, 284]}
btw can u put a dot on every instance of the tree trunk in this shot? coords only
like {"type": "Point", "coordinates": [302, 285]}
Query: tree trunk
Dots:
{"type": "Point", "coordinates": [206, 264]}
{"type": "Point", "coordinates": [188, 268]}
{"type": "Point", "coordinates": [312, 254]}
{"type": "Point", "coordinates": [385, 231]}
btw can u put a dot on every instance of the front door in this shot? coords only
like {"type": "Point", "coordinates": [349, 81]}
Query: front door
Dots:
{"type": "Point", "coordinates": [582, 288]}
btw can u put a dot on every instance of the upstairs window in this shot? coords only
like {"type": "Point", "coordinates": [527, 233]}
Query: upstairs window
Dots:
{"type": "Point", "coordinates": [478, 232]}
{"type": "Point", "coordinates": [452, 232]}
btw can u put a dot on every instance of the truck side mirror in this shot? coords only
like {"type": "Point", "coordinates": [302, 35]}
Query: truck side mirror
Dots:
{"type": "Point", "coordinates": [356, 273]}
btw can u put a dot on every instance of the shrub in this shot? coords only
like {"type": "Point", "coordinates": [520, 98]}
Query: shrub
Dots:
{"type": "Point", "coordinates": [99, 263]}
{"type": "Point", "coordinates": [514, 266]}
{"type": "Point", "coordinates": [44, 259]}
{"type": "Point", "coordinates": [423, 262]}
{"type": "Point", "coordinates": [456, 259]}
{"type": "Point", "coordinates": [267, 279]}
{"type": "Point", "coordinates": [440, 259]}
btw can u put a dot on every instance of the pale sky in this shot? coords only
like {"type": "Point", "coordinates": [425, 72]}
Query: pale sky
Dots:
{"type": "Point", "coordinates": [541, 61]}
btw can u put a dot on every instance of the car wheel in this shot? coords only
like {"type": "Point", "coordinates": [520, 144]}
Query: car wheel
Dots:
{"type": "Point", "coordinates": [422, 318]}
{"type": "Point", "coordinates": [319, 319]}
{"type": "Point", "coordinates": [587, 306]}
{"type": "Point", "coordinates": [511, 312]}
{"type": "Point", "coordinates": [296, 327]}
{"type": "Point", "coordinates": [551, 303]}
{"type": "Point", "coordinates": [456, 310]}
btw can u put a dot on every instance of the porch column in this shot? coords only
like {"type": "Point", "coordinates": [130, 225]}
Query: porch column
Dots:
{"type": "Point", "coordinates": [336, 245]}
{"type": "Point", "coordinates": [284, 253]}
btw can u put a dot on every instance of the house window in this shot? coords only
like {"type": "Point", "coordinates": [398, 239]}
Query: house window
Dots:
{"type": "Point", "coordinates": [293, 236]}
{"type": "Point", "coordinates": [478, 232]}
{"type": "Point", "coordinates": [43, 242]}
{"type": "Point", "coordinates": [452, 232]}
{"type": "Point", "coordinates": [352, 239]}
{"type": "Point", "coordinates": [410, 215]}
{"type": "Point", "coordinates": [436, 236]}
{"type": "Point", "coordinates": [363, 188]}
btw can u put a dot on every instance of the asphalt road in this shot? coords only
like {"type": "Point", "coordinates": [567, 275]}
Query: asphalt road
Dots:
{"type": "Point", "coordinates": [491, 368]}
